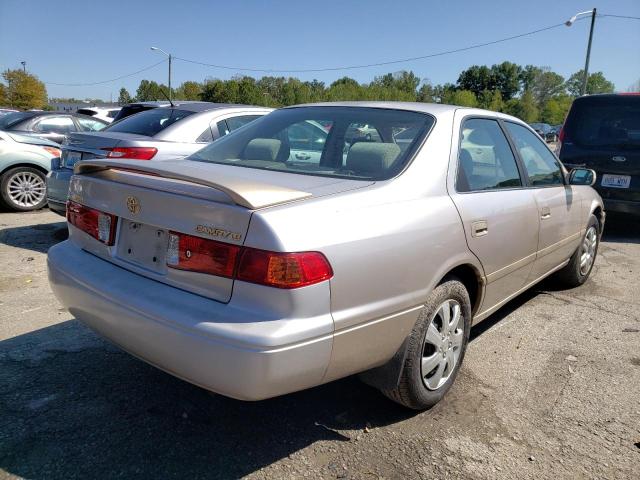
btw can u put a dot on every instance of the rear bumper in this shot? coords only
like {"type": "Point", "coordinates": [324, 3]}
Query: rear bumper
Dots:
{"type": "Point", "coordinates": [58, 189]}
{"type": "Point", "coordinates": [217, 346]}
{"type": "Point", "coordinates": [622, 206]}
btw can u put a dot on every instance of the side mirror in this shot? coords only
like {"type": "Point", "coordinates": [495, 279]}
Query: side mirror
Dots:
{"type": "Point", "coordinates": [582, 176]}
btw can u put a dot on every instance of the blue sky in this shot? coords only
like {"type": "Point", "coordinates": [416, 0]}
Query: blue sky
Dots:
{"type": "Point", "coordinates": [84, 41]}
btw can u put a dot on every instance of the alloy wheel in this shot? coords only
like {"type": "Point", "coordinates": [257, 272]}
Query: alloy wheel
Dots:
{"type": "Point", "coordinates": [26, 189]}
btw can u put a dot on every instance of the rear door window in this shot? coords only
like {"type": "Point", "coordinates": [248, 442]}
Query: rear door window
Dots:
{"type": "Point", "coordinates": [236, 122]}
{"type": "Point", "coordinates": [543, 169]}
{"type": "Point", "coordinates": [150, 122]}
{"type": "Point", "coordinates": [55, 124]}
{"type": "Point", "coordinates": [89, 125]}
{"type": "Point", "coordinates": [485, 159]}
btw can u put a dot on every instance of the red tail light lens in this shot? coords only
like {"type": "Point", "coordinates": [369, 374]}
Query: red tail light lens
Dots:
{"type": "Point", "coordinates": [561, 134]}
{"type": "Point", "coordinates": [100, 225]}
{"type": "Point", "coordinates": [274, 269]}
{"type": "Point", "coordinates": [131, 153]}
{"type": "Point", "coordinates": [283, 270]}
{"type": "Point", "coordinates": [195, 254]}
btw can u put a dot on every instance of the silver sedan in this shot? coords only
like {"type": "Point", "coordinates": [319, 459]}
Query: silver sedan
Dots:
{"type": "Point", "coordinates": [290, 254]}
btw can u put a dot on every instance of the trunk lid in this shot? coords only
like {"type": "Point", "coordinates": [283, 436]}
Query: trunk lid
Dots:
{"type": "Point", "coordinates": [82, 146]}
{"type": "Point", "coordinates": [205, 200]}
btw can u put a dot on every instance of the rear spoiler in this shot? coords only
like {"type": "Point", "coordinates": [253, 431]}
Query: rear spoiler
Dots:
{"type": "Point", "coordinates": [245, 193]}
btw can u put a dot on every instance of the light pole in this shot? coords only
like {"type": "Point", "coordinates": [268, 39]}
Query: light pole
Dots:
{"type": "Point", "coordinates": [24, 66]}
{"type": "Point", "coordinates": [168, 55]}
{"type": "Point", "coordinates": [568, 23]}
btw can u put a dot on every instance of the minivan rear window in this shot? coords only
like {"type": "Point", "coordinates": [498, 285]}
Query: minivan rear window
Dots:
{"type": "Point", "coordinates": [333, 141]}
{"type": "Point", "coordinates": [150, 122]}
{"type": "Point", "coordinates": [604, 121]}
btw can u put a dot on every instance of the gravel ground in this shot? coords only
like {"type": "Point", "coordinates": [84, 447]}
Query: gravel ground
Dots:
{"type": "Point", "coordinates": [550, 388]}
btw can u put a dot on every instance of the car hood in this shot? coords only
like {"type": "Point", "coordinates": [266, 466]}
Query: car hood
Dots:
{"type": "Point", "coordinates": [247, 187]}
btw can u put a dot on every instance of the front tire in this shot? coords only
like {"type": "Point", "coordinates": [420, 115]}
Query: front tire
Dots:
{"type": "Point", "coordinates": [576, 272]}
{"type": "Point", "coordinates": [23, 189]}
{"type": "Point", "coordinates": [436, 347]}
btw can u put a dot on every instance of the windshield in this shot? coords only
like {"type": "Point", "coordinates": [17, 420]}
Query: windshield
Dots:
{"type": "Point", "coordinates": [353, 142]}
{"type": "Point", "coordinates": [149, 122]}
{"type": "Point", "coordinates": [11, 119]}
{"type": "Point", "coordinates": [602, 121]}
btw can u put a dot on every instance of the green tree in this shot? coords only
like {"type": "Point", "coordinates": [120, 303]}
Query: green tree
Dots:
{"type": "Point", "coordinates": [3, 95]}
{"type": "Point", "coordinates": [23, 90]}
{"type": "Point", "coordinates": [491, 100]}
{"type": "Point", "coordinates": [464, 98]}
{"type": "Point", "coordinates": [189, 90]}
{"type": "Point", "coordinates": [506, 78]}
{"type": "Point", "coordinates": [151, 91]}
{"type": "Point", "coordinates": [124, 97]}
{"type": "Point", "coordinates": [477, 79]}
{"type": "Point", "coordinates": [555, 109]}
{"type": "Point", "coordinates": [524, 107]}
{"type": "Point", "coordinates": [542, 83]}
{"type": "Point", "coordinates": [596, 83]}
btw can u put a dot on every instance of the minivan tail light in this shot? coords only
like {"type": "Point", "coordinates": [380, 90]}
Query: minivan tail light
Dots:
{"type": "Point", "coordinates": [195, 254]}
{"type": "Point", "coordinates": [100, 225]}
{"type": "Point", "coordinates": [131, 153]}
{"type": "Point", "coordinates": [273, 269]}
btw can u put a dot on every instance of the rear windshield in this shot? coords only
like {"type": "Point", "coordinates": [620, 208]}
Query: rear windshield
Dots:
{"type": "Point", "coordinates": [604, 121]}
{"type": "Point", "coordinates": [150, 122]}
{"type": "Point", "coordinates": [11, 119]}
{"type": "Point", "coordinates": [353, 142]}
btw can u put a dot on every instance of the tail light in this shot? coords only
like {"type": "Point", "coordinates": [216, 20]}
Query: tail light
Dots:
{"type": "Point", "coordinates": [100, 225]}
{"type": "Point", "coordinates": [186, 252]}
{"type": "Point", "coordinates": [56, 152]}
{"type": "Point", "coordinates": [132, 153]}
{"type": "Point", "coordinates": [274, 269]}
{"type": "Point", "coordinates": [561, 135]}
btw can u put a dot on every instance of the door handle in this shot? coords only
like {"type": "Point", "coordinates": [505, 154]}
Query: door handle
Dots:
{"type": "Point", "coordinates": [303, 156]}
{"type": "Point", "coordinates": [479, 228]}
{"type": "Point", "coordinates": [545, 212]}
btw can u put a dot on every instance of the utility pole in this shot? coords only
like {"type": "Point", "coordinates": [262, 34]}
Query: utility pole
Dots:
{"type": "Point", "coordinates": [586, 63]}
{"type": "Point", "coordinates": [24, 66]}
{"type": "Point", "coordinates": [168, 55]}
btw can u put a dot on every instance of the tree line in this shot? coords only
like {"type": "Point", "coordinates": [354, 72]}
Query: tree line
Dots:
{"type": "Point", "coordinates": [529, 92]}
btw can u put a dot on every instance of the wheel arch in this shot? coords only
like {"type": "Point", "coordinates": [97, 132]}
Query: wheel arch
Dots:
{"type": "Point", "coordinates": [473, 281]}
{"type": "Point", "coordinates": [24, 164]}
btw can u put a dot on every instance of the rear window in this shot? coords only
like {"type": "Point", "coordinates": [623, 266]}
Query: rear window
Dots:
{"type": "Point", "coordinates": [604, 121]}
{"type": "Point", "coordinates": [11, 119]}
{"type": "Point", "coordinates": [361, 143]}
{"type": "Point", "coordinates": [149, 123]}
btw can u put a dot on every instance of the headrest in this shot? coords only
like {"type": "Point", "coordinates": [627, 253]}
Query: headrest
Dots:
{"type": "Point", "coordinates": [262, 149]}
{"type": "Point", "coordinates": [372, 159]}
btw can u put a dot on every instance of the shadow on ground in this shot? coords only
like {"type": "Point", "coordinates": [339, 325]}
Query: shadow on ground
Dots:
{"type": "Point", "coordinates": [37, 237]}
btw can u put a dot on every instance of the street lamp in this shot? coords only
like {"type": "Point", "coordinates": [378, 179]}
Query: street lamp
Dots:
{"type": "Point", "coordinates": [168, 55]}
{"type": "Point", "coordinates": [570, 22]}
{"type": "Point", "coordinates": [24, 66]}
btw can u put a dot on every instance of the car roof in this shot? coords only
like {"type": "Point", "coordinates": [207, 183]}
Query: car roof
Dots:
{"type": "Point", "coordinates": [205, 106]}
{"type": "Point", "coordinates": [432, 108]}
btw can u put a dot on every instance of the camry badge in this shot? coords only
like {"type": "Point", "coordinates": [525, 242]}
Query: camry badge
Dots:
{"type": "Point", "coordinates": [133, 204]}
{"type": "Point", "coordinates": [619, 159]}
{"type": "Point", "coordinates": [218, 232]}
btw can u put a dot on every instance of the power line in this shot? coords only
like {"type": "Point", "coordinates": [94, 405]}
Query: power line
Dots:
{"type": "Point", "coordinates": [378, 64]}
{"type": "Point", "coordinates": [107, 81]}
{"type": "Point", "coordinates": [618, 16]}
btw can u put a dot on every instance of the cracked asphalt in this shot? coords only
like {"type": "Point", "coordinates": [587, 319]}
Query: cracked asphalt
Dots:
{"type": "Point", "coordinates": [550, 388]}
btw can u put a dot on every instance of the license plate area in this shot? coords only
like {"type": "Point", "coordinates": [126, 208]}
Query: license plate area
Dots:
{"type": "Point", "coordinates": [142, 245]}
{"type": "Point", "coordinates": [615, 181]}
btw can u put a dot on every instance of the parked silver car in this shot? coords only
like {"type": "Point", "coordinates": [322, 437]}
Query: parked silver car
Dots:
{"type": "Point", "coordinates": [252, 273]}
{"type": "Point", "coordinates": [162, 133]}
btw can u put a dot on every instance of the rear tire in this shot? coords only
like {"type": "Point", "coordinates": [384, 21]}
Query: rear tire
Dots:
{"type": "Point", "coordinates": [576, 272]}
{"type": "Point", "coordinates": [435, 351]}
{"type": "Point", "coordinates": [23, 189]}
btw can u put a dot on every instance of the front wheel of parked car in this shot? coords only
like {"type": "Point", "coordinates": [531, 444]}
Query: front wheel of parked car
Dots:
{"type": "Point", "coordinates": [579, 267]}
{"type": "Point", "coordinates": [23, 189]}
{"type": "Point", "coordinates": [436, 347]}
